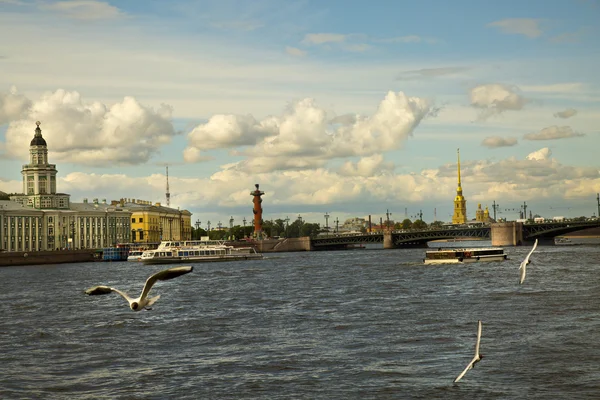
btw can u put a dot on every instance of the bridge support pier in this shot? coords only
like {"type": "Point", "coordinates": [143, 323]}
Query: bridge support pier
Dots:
{"type": "Point", "coordinates": [507, 234]}
{"type": "Point", "coordinates": [388, 242]}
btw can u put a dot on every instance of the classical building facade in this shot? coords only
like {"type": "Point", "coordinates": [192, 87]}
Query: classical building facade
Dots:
{"type": "Point", "coordinates": [153, 222]}
{"type": "Point", "coordinates": [42, 219]}
{"type": "Point", "coordinates": [460, 204]}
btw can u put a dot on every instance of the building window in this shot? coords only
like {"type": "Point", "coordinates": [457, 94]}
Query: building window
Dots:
{"type": "Point", "coordinates": [133, 220]}
{"type": "Point", "coordinates": [141, 235]}
{"type": "Point", "coordinates": [141, 220]}
{"type": "Point", "coordinates": [133, 236]}
{"type": "Point", "coordinates": [43, 185]}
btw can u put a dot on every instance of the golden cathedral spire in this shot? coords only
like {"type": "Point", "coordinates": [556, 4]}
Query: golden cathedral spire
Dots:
{"type": "Point", "coordinates": [460, 204]}
{"type": "Point", "coordinates": [458, 154]}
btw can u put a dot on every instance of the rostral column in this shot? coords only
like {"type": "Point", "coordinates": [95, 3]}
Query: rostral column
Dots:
{"type": "Point", "coordinates": [257, 211]}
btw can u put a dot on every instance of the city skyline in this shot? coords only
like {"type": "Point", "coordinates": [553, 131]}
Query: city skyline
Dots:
{"type": "Point", "coordinates": [347, 108]}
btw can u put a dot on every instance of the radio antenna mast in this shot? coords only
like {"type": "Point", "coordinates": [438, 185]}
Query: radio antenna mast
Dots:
{"type": "Point", "coordinates": [168, 194]}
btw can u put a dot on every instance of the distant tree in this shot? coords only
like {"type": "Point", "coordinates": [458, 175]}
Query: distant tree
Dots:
{"type": "Point", "coordinates": [198, 233]}
{"type": "Point", "coordinates": [293, 230]}
{"type": "Point", "coordinates": [406, 224]}
{"type": "Point", "coordinates": [309, 229]}
{"type": "Point", "coordinates": [419, 224]}
{"type": "Point", "coordinates": [436, 224]}
{"type": "Point", "coordinates": [217, 235]}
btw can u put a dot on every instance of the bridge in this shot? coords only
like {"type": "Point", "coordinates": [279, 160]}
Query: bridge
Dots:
{"type": "Point", "coordinates": [545, 232]}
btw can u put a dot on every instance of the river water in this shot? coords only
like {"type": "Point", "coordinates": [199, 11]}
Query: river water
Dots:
{"type": "Point", "coordinates": [361, 324]}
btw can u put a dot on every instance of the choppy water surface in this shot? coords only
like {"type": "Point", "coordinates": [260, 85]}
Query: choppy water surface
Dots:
{"type": "Point", "coordinates": [321, 325]}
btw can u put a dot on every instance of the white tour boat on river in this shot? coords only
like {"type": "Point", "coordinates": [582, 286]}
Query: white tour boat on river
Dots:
{"type": "Point", "coordinates": [192, 251]}
{"type": "Point", "coordinates": [460, 256]}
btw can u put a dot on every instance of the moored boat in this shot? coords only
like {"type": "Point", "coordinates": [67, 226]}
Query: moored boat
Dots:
{"type": "Point", "coordinates": [172, 252]}
{"type": "Point", "coordinates": [461, 256]}
{"type": "Point", "coordinates": [135, 255]}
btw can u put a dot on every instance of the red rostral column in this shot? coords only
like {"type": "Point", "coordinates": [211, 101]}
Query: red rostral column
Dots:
{"type": "Point", "coordinates": [257, 211]}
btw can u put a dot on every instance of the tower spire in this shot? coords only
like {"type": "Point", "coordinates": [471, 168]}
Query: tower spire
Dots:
{"type": "Point", "coordinates": [458, 154]}
{"type": "Point", "coordinates": [168, 194]}
{"type": "Point", "coordinates": [460, 204]}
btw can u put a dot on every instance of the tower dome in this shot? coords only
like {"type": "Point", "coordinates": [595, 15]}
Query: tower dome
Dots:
{"type": "Point", "coordinates": [38, 140]}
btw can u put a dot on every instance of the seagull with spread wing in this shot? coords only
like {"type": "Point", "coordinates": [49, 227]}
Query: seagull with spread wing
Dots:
{"type": "Point", "coordinates": [523, 267]}
{"type": "Point", "coordinates": [143, 301]}
{"type": "Point", "coordinates": [475, 359]}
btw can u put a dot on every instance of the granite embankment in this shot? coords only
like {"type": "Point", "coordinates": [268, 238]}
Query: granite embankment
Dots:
{"type": "Point", "coordinates": [14, 258]}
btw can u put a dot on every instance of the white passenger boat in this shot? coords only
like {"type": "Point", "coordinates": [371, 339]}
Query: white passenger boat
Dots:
{"type": "Point", "coordinates": [135, 255]}
{"type": "Point", "coordinates": [171, 252]}
{"type": "Point", "coordinates": [461, 256]}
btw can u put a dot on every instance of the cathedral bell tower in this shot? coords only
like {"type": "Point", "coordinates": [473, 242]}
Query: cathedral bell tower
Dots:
{"type": "Point", "coordinates": [39, 177]}
{"type": "Point", "coordinates": [460, 204]}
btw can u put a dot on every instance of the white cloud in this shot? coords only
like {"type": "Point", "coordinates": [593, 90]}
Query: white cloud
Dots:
{"type": "Point", "coordinates": [366, 166]}
{"type": "Point", "coordinates": [294, 51]}
{"type": "Point", "coordinates": [553, 132]}
{"type": "Point", "coordinates": [496, 98]}
{"type": "Point", "coordinates": [92, 133]}
{"type": "Point", "coordinates": [568, 113]}
{"type": "Point", "coordinates": [84, 9]}
{"type": "Point", "coordinates": [322, 38]}
{"type": "Point", "coordinates": [520, 26]}
{"type": "Point", "coordinates": [12, 105]}
{"type": "Point", "coordinates": [305, 137]}
{"type": "Point", "coordinates": [542, 154]}
{"type": "Point", "coordinates": [497, 141]}
{"type": "Point", "coordinates": [227, 131]}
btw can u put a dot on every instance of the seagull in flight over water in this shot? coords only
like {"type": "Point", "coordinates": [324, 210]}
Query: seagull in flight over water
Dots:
{"type": "Point", "coordinates": [475, 359]}
{"type": "Point", "coordinates": [526, 262]}
{"type": "Point", "coordinates": [143, 301]}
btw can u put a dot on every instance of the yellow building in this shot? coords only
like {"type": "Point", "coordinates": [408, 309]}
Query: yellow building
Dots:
{"type": "Point", "coordinates": [151, 223]}
{"type": "Point", "coordinates": [460, 204]}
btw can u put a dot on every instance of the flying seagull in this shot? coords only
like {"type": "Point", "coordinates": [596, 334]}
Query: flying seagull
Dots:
{"type": "Point", "coordinates": [143, 301]}
{"type": "Point", "coordinates": [525, 262]}
{"type": "Point", "coordinates": [475, 359]}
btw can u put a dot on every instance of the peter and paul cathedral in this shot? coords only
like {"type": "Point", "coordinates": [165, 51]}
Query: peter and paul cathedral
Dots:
{"type": "Point", "coordinates": [460, 204]}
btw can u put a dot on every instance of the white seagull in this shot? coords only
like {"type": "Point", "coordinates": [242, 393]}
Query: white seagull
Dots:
{"type": "Point", "coordinates": [475, 359]}
{"type": "Point", "coordinates": [526, 262]}
{"type": "Point", "coordinates": [143, 301]}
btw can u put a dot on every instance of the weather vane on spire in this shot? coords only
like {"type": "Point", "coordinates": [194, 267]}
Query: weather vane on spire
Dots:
{"type": "Point", "coordinates": [38, 123]}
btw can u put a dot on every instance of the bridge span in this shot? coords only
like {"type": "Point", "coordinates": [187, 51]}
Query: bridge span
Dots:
{"type": "Point", "coordinates": [503, 234]}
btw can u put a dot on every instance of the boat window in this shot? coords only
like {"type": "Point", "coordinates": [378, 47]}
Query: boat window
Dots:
{"type": "Point", "coordinates": [169, 254]}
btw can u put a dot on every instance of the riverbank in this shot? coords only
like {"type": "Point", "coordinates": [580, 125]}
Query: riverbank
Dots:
{"type": "Point", "coordinates": [14, 258]}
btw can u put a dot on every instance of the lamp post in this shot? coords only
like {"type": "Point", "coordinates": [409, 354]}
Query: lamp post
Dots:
{"type": "Point", "coordinates": [495, 207]}
{"type": "Point", "coordinates": [387, 214]}
{"type": "Point", "coordinates": [337, 225]}
{"type": "Point", "coordinates": [72, 235]}
{"type": "Point", "coordinates": [287, 225]}
{"type": "Point", "coordinates": [198, 229]}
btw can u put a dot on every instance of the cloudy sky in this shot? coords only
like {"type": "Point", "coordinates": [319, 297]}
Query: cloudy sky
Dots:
{"type": "Point", "coordinates": [350, 108]}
